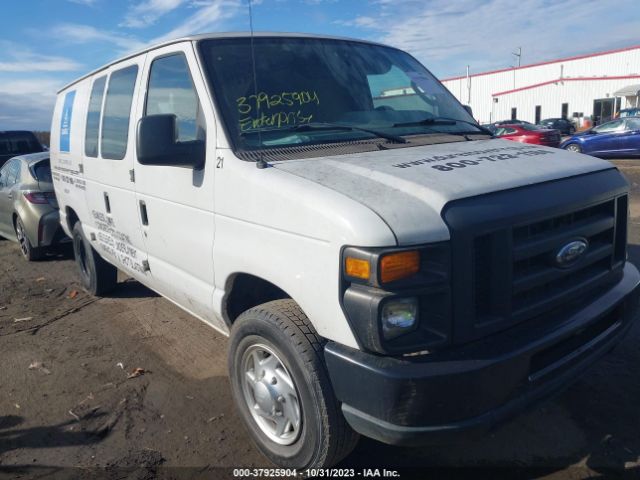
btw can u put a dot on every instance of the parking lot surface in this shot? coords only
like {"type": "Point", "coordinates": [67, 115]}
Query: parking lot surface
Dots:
{"type": "Point", "coordinates": [132, 381]}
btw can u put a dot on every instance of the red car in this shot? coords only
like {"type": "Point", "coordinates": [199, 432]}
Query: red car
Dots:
{"type": "Point", "coordinates": [526, 133]}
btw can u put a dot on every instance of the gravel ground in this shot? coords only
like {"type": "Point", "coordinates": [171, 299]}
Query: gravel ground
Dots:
{"type": "Point", "coordinates": [69, 409]}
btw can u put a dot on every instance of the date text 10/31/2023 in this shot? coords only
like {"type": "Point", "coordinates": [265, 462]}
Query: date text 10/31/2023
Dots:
{"type": "Point", "coordinates": [275, 110]}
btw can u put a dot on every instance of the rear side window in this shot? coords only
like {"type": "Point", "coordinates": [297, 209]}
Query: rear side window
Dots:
{"type": "Point", "coordinates": [42, 171]}
{"type": "Point", "coordinates": [633, 124]}
{"type": "Point", "coordinates": [4, 172]}
{"type": "Point", "coordinates": [93, 118]}
{"type": "Point", "coordinates": [13, 173]}
{"type": "Point", "coordinates": [117, 113]}
{"type": "Point", "coordinates": [9, 173]}
{"type": "Point", "coordinates": [171, 91]}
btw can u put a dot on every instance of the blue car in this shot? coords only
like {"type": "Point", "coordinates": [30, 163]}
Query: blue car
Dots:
{"type": "Point", "coordinates": [618, 138]}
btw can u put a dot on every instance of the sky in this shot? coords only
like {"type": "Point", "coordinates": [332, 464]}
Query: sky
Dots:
{"type": "Point", "coordinates": [45, 44]}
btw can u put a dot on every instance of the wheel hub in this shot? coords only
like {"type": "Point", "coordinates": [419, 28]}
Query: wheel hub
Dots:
{"type": "Point", "coordinates": [271, 395]}
{"type": "Point", "coordinates": [265, 397]}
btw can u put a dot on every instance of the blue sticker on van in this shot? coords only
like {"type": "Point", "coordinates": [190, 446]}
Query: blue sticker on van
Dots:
{"type": "Point", "coordinates": [65, 122]}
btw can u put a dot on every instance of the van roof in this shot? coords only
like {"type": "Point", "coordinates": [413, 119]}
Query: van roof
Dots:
{"type": "Point", "coordinates": [206, 36]}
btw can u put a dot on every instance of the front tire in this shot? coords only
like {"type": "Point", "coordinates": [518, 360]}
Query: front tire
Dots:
{"type": "Point", "coordinates": [29, 252]}
{"type": "Point", "coordinates": [573, 147]}
{"type": "Point", "coordinates": [97, 276]}
{"type": "Point", "coordinates": [281, 386]}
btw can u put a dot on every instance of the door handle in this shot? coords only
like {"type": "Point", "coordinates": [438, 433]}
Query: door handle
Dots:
{"type": "Point", "coordinates": [143, 213]}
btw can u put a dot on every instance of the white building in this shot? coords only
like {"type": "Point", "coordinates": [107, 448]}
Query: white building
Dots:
{"type": "Point", "coordinates": [595, 85]}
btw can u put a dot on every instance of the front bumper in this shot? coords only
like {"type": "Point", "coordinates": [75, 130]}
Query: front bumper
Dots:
{"type": "Point", "coordinates": [468, 389]}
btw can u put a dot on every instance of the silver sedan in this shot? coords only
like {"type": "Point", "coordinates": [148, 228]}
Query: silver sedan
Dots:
{"type": "Point", "coordinates": [28, 206]}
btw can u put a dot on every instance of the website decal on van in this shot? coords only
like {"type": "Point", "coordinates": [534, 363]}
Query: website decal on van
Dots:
{"type": "Point", "coordinates": [65, 122]}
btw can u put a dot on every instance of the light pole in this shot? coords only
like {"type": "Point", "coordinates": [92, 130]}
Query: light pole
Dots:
{"type": "Point", "coordinates": [519, 55]}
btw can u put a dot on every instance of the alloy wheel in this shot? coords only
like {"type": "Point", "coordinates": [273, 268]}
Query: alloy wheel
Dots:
{"type": "Point", "coordinates": [574, 148]}
{"type": "Point", "coordinates": [22, 238]}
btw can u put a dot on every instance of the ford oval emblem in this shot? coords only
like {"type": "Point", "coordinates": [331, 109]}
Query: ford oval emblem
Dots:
{"type": "Point", "coordinates": [571, 252]}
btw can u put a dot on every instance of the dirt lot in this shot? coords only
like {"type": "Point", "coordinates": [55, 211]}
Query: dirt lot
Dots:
{"type": "Point", "coordinates": [67, 405]}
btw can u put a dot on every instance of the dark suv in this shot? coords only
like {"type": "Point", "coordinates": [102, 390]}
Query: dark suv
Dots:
{"type": "Point", "coordinates": [562, 124]}
{"type": "Point", "coordinates": [17, 142]}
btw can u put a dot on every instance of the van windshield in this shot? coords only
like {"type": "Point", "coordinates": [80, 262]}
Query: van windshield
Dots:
{"type": "Point", "coordinates": [314, 91]}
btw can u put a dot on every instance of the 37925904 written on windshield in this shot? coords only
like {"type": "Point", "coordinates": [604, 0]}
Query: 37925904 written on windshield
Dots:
{"type": "Point", "coordinates": [305, 81]}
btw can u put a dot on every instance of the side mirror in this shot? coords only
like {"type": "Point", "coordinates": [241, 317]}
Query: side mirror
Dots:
{"type": "Point", "coordinates": [469, 110]}
{"type": "Point", "coordinates": [157, 144]}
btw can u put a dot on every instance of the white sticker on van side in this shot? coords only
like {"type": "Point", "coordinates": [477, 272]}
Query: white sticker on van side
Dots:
{"type": "Point", "coordinates": [116, 243]}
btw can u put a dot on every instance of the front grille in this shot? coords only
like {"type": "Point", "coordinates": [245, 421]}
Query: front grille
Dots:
{"type": "Point", "coordinates": [504, 243]}
{"type": "Point", "coordinates": [537, 285]}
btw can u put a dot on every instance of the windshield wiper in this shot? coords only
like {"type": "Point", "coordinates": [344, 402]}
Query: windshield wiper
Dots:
{"type": "Point", "coordinates": [445, 121]}
{"type": "Point", "coordinates": [315, 126]}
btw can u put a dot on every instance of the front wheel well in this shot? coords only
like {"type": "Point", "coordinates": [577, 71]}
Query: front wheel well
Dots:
{"type": "Point", "coordinates": [72, 218]}
{"type": "Point", "coordinates": [248, 291]}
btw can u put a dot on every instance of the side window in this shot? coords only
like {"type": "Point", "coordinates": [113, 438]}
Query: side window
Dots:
{"type": "Point", "coordinates": [4, 174]}
{"type": "Point", "coordinates": [171, 91]}
{"type": "Point", "coordinates": [633, 124]}
{"type": "Point", "coordinates": [12, 172]}
{"type": "Point", "coordinates": [610, 126]}
{"type": "Point", "coordinates": [92, 128]}
{"type": "Point", "coordinates": [117, 113]}
{"type": "Point", "coordinates": [18, 172]}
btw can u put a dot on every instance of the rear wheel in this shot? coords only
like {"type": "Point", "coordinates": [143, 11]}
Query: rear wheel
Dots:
{"type": "Point", "coordinates": [28, 251]}
{"type": "Point", "coordinates": [573, 147]}
{"type": "Point", "coordinates": [281, 386]}
{"type": "Point", "coordinates": [97, 276]}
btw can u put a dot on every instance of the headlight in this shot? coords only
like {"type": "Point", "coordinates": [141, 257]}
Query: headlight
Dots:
{"type": "Point", "coordinates": [383, 268]}
{"type": "Point", "coordinates": [398, 299]}
{"type": "Point", "coordinates": [399, 316]}
{"type": "Point", "coordinates": [396, 266]}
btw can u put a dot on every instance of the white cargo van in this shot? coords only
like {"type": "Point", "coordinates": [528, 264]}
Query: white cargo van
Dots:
{"type": "Point", "coordinates": [382, 265]}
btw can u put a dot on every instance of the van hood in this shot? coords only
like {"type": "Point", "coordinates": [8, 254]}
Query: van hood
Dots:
{"type": "Point", "coordinates": [409, 187]}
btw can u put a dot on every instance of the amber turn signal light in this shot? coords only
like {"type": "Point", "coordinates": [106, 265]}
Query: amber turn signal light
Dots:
{"type": "Point", "coordinates": [396, 266]}
{"type": "Point", "coordinates": [357, 268]}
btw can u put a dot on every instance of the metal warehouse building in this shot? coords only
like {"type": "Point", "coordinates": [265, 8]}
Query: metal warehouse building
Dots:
{"type": "Point", "coordinates": [593, 86]}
